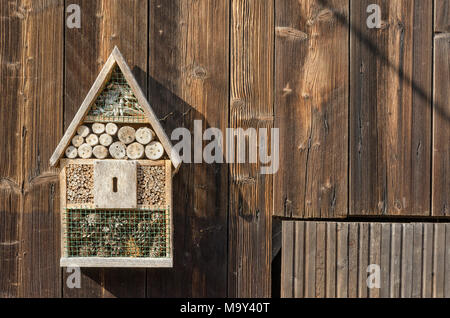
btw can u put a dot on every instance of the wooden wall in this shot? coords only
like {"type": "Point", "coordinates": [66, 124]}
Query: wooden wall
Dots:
{"type": "Point", "coordinates": [359, 135]}
{"type": "Point", "coordinates": [331, 259]}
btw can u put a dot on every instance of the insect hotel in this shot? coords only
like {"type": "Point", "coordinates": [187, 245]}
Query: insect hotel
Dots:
{"type": "Point", "coordinates": [116, 167]}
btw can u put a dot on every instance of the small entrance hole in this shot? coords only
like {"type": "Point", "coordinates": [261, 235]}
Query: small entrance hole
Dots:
{"type": "Point", "coordinates": [114, 185]}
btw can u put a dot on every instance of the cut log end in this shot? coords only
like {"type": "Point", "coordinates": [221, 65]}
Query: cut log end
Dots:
{"type": "Point", "coordinates": [98, 128]}
{"type": "Point", "coordinates": [111, 129]}
{"type": "Point", "coordinates": [100, 152]}
{"type": "Point", "coordinates": [92, 140]}
{"type": "Point", "coordinates": [135, 151]}
{"type": "Point", "coordinates": [106, 140]}
{"type": "Point", "coordinates": [85, 151]}
{"type": "Point", "coordinates": [127, 135]}
{"type": "Point", "coordinates": [77, 141]}
{"type": "Point", "coordinates": [144, 135]}
{"type": "Point", "coordinates": [83, 131]}
{"type": "Point", "coordinates": [71, 152]}
{"type": "Point", "coordinates": [118, 150]}
{"type": "Point", "coordinates": [154, 151]}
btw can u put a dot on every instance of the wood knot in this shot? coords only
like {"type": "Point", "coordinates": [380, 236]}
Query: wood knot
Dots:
{"type": "Point", "coordinates": [291, 33]}
{"type": "Point", "coordinates": [197, 72]}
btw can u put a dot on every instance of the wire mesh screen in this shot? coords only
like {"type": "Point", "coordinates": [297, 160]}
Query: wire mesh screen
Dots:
{"type": "Point", "coordinates": [130, 233]}
{"type": "Point", "coordinates": [116, 103]}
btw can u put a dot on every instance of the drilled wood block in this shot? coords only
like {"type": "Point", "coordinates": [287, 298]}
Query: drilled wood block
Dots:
{"type": "Point", "coordinates": [115, 184]}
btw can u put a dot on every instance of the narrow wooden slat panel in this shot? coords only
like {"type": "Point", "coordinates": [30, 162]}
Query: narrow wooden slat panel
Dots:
{"type": "Point", "coordinates": [189, 80]}
{"type": "Point", "coordinates": [407, 260]}
{"type": "Point", "coordinates": [396, 261]}
{"type": "Point", "coordinates": [427, 277]}
{"type": "Point", "coordinates": [342, 260]}
{"type": "Point", "coordinates": [353, 251]}
{"type": "Point", "coordinates": [105, 24]}
{"type": "Point", "coordinates": [385, 260]}
{"type": "Point", "coordinates": [320, 259]}
{"type": "Point", "coordinates": [12, 61]}
{"type": "Point", "coordinates": [375, 253]}
{"type": "Point", "coordinates": [310, 259]}
{"type": "Point", "coordinates": [441, 124]}
{"type": "Point", "coordinates": [447, 262]}
{"type": "Point", "coordinates": [417, 259]}
{"type": "Point", "coordinates": [441, 16]}
{"type": "Point", "coordinates": [439, 261]}
{"type": "Point", "coordinates": [299, 254]}
{"type": "Point", "coordinates": [390, 109]}
{"type": "Point", "coordinates": [331, 260]}
{"type": "Point", "coordinates": [288, 262]}
{"type": "Point", "coordinates": [311, 107]}
{"type": "Point", "coordinates": [251, 107]}
{"type": "Point", "coordinates": [363, 243]}
{"type": "Point", "coordinates": [404, 252]}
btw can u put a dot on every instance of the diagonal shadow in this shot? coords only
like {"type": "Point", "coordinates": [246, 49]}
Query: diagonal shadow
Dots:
{"type": "Point", "coordinates": [365, 40]}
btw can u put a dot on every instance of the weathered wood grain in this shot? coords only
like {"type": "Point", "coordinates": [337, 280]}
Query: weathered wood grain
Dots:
{"type": "Point", "coordinates": [385, 260]}
{"type": "Point", "coordinates": [310, 259]}
{"type": "Point", "coordinates": [288, 239]}
{"type": "Point", "coordinates": [11, 144]}
{"type": "Point", "coordinates": [32, 67]}
{"type": "Point", "coordinates": [413, 259]}
{"type": "Point", "coordinates": [299, 268]}
{"type": "Point", "coordinates": [441, 125]}
{"type": "Point", "coordinates": [342, 260]}
{"type": "Point", "coordinates": [105, 24]}
{"type": "Point", "coordinates": [188, 80]}
{"type": "Point", "coordinates": [441, 16]}
{"type": "Point", "coordinates": [439, 261]}
{"type": "Point", "coordinates": [390, 109]}
{"type": "Point", "coordinates": [331, 260]}
{"type": "Point", "coordinates": [311, 107]}
{"type": "Point", "coordinates": [374, 254]}
{"type": "Point", "coordinates": [251, 107]}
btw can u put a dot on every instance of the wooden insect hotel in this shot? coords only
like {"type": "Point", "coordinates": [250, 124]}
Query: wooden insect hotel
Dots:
{"type": "Point", "coordinates": [116, 168]}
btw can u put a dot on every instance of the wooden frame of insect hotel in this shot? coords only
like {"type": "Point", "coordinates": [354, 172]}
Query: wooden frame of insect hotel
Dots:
{"type": "Point", "coordinates": [116, 168]}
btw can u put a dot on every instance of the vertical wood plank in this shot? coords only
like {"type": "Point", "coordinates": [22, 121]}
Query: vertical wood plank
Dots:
{"type": "Point", "coordinates": [390, 109]}
{"type": "Point", "coordinates": [396, 261]}
{"type": "Point", "coordinates": [299, 254]}
{"type": "Point", "coordinates": [105, 24]}
{"type": "Point", "coordinates": [311, 103]}
{"type": "Point", "coordinates": [447, 262]}
{"type": "Point", "coordinates": [288, 261]}
{"type": "Point", "coordinates": [427, 277]}
{"type": "Point", "coordinates": [374, 253]}
{"type": "Point", "coordinates": [417, 259]}
{"type": "Point", "coordinates": [251, 107]}
{"type": "Point", "coordinates": [441, 16]}
{"type": "Point", "coordinates": [385, 260]}
{"type": "Point", "coordinates": [353, 250]}
{"type": "Point", "coordinates": [321, 260]}
{"type": "Point", "coordinates": [439, 261]}
{"type": "Point", "coordinates": [342, 260]}
{"type": "Point", "coordinates": [407, 260]}
{"type": "Point", "coordinates": [441, 136]}
{"type": "Point", "coordinates": [12, 98]}
{"type": "Point", "coordinates": [189, 80]}
{"type": "Point", "coordinates": [363, 260]}
{"type": "Point", "coordinates": [310, 259]}
{"type": "Point", "coordinates": [331, 260]}
{"type": "Point", "coordinates": [40, 74]}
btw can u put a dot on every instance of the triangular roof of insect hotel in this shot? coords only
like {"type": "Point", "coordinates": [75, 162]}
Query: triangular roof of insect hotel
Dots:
{"type": "Point", "coordinates": [141, 112]}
